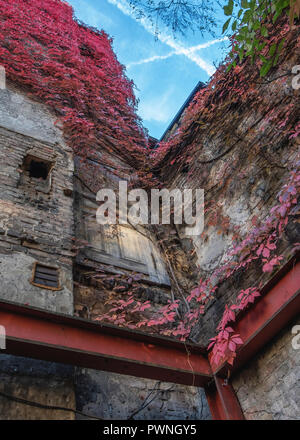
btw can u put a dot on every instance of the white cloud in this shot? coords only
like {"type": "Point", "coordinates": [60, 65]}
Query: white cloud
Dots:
{"type": "Point", "coordinates": [178, 47]}
{"type": "Point", "coordinates": [157, 109]}
{"type": "Point", "coordinates": [90, 14]}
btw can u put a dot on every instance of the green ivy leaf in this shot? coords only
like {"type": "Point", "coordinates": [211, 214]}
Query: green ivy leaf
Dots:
{"type": "Point", "coordinates": [279, 5]}
{"type": "Point", "coordinates": [276, 15]}
{"type": "Point", "coordinates": [247, 16]}
{"type": "Point", "coordinates": [225, 26]}
{"type": "Point", "coordinates": [229, 67]}
{"type": "Point", "coordinates": [265, 68]}
{"type": "Point", "coordinates": [264, 31]}
{"type": "Point", "coordinates": [276, 59]}
{"type": "Point", "coordinates": [272, 49]}
{"type": "Point", "coordinates": [280, 46]}
{"type": "Point", "coordinates": [256, 25]}
{"type": "Point", "coordinates": [228, 9]}
{"type": "Point", "coordinates": [234, 25]}
{"type": "Point", "coordinates": [255, 42]}
{"type": "Point", "coordinates": [261, 46]}
{"type": "Point", "coordinates": [241, 54]}
{"type": "Point", "coordinates": [251, 30]}
{"type": "Point", "coordinates": [264, 59]}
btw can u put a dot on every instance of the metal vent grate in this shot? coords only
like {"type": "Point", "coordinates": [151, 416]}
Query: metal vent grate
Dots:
{"type": "Point", "coordinates": [45, 276]}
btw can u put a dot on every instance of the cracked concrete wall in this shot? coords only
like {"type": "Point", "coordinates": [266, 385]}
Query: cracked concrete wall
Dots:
{"type": "Point", "coordinates": [268, 388]}
{"type": "Point", "coordinates": [17, 287]}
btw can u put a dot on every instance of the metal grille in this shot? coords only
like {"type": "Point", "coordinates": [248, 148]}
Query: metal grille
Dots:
{"type": "Point", "coordinates": [46, 276]}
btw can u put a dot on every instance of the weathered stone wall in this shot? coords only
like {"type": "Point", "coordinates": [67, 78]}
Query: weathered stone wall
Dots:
{"type": "Point", "coordinates": [108, 257]}
{"type": "Point", "coordinates": [268, 388]}
{"type": "Point", "coordinates": [36, 217]}
{"type": "Point", "coordinates": [241, 158]}
{"type": "Point", "coordinates": [112, 396]}
{"type": "Point", "coordinates": [41, 382]}
{"type": "Point", "coordinates": [237, 200]}
{"type": "Point", "coordinates": [101, 274]}
{"type": "Point", "coordinates": [37, 224]}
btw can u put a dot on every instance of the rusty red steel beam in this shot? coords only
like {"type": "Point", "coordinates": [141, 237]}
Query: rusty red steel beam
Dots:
{"type": "Point", "coordinates": [222, 401]}
{"type": "Point", "coordinates": [278, 305]}
{"type": "Point", "coordinates": [36, 333]}
{"type": "Point", "coordinates": [280, 302]}
{"type": "Point", "coordinates": [60, 338]}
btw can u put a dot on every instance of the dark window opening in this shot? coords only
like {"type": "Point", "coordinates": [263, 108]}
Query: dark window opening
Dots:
{"type": "Point", "coordinates": [39, 170]}
{"type": "Point", "coordinates": [46, 277]}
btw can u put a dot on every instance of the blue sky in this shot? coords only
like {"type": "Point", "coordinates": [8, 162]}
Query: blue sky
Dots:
{"type": "Point", "coordinates": [164, 70]}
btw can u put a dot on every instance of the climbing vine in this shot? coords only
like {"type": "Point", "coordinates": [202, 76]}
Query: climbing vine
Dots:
{"type": "Point", "coordinates": [228, 89]}
{"type": "Point", "coordinates": [260, 244]}
{"type": "Point", "coordinates": [74, 70]}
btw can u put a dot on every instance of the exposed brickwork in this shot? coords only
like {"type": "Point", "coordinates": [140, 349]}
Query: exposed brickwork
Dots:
{"type": "Point", "coordinates": [36, 221]}
{"type": "Point", "coordinates": [36, 216]}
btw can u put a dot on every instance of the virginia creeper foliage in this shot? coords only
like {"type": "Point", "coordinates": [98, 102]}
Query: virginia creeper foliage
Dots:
{"type": "Point", "coordinates": [74, 70]}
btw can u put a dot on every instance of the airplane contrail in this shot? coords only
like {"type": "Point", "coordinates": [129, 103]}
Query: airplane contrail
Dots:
{"type": "Point", "coordinates": [179, 48]}
{"type": "Point", "coordinates": [176, 52]}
